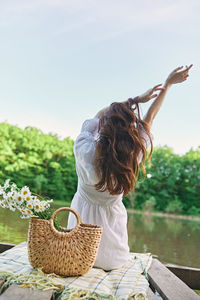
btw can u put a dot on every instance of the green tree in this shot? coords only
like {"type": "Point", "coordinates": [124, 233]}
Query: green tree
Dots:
{"type": "Point", "coordinates": [173, 181]}
{"type": "Point", "coordinates": [42, 161]}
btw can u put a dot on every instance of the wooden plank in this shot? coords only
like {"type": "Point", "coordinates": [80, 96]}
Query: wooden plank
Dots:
{"type": "Point", "coordinates": [1, 280]}
{"type": "Point", "coordinates": [150, 295]}
{"type": "Point", "coordinates": [5, 246]}
{"type": "Point", "coordinates": [191, 276]}
{"type": "Point", "coordinates": [168, 285]}
{"type": "Point", "coordinates": [19, 293]}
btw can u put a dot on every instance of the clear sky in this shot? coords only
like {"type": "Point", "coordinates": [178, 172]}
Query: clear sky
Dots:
{"type": "Point", "coordinates": [63, 60]}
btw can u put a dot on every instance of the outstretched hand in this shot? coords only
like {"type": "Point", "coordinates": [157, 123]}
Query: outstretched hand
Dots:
{"type": "Point", "coordinates": [150, 94]}
{"type": "Point", "coordinates": [177, 76]}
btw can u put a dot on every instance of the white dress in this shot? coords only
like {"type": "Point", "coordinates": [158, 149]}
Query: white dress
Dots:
{"type": "Point", "coordinates": [98, 208]}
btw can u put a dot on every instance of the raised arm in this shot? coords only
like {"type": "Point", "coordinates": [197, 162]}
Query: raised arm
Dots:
{"type": "Point", "coordinates": [174, 77]}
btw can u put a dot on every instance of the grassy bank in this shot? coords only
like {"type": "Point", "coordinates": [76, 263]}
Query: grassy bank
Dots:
{"type": "Point", "coordinates": [59, 203]}
{"type": "Point", "coordinates": [166, 215]}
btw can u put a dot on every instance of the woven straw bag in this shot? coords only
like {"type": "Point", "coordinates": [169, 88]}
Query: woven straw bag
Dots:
{"type": "Point", "coordinates": [68, 253]}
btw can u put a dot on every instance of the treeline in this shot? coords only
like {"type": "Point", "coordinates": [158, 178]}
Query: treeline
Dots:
{"type": "Point", "coordinates": [172, 184]}
{"type": "Point", "coordinates": [41, 161]}
{"type": "Point", "coordinates": [47, 165]}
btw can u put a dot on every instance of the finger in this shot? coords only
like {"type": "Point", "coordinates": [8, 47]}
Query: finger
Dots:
{"type": "Point", "coordinates": [153, 96]}
{"type": "Point", "coordinates": [185, 73]}
{"type": "Point", "coordinates": [156, 86]}
{"type": "Point", "coordinates": [159, 89]}
{"type": "Point", "coordinates": [177, 69]}
{"type": "Point", "coordinates": [188, 68]}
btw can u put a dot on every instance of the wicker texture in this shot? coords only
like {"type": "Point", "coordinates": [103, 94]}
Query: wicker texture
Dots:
{"type": "Point", "coordinates": [68, 253]}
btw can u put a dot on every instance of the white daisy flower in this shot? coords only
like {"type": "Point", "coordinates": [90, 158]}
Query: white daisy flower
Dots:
{"type": "Point", "coordinates": [49, 201]}
{"type": "Point", "coordinates": [29, 212]}
{"type": "Point", "coordinates": [28, 197]}
{"type": "Point", "coordinates": [13, 186]}
{"type": "Point", "coordinates": [11, 207]}
{"type": "Point", "coordinates": [42, 206]}
{"type": "Point", "coordinates": [6, 184]}
{"type": "Point", "coordinates": [25, 190]}
{"type": "Point", "coordinates": [15, 194]}
{"type": "Point", "coordinates": [37, 207]}
{"type": "Point", "coordinates": [149, 175]}
{"type": "Point", "coordinates": [19, 199]}
{"type": "Point", "coordinates": [4, 195]}
{"type": "Point", "coordinates": [10, 196]}
{"type": "Point", "coordinates": [24, 217]}
{"type": "Point", "coordinates": [29, 205]}
{"type": "Point", "coordinates": [23, 210]}
{"type": "Point", "coordinates": [47, 205]}
{"type": "Point", "coordinates": [36, 201]}
{"type": "Point", "coordinates": [2, 204]}
{"type": "Point", "coordinates": [1, 190]}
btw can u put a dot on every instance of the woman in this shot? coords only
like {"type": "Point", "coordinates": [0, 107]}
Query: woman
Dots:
{"type": "Point", "coordinates": [108, 152]}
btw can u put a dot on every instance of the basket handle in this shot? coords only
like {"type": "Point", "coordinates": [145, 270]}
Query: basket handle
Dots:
{"type": "Point", "coordinates": [78, 218]}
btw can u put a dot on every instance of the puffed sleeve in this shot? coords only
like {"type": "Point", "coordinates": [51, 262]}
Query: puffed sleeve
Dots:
{"type": "Point", "coordinates": [84, 151]}
{"type": "Point", "coordinates": [91, 126]}
{"type": "Point", "coordinates": [84, 143]}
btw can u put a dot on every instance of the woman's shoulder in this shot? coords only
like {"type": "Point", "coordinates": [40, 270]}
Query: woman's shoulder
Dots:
{"type": "Point", "coordinates": [84, 145]}
{"type": "Point", "coordinates": [90, 125]}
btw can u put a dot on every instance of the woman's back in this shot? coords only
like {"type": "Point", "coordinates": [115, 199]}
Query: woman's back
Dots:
{"type": "Point", "coordinates": [100, 208]}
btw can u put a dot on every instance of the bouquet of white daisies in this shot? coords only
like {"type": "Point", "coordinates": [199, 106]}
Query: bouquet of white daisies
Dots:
{"type": "Point", "coordinates": [23, 200]}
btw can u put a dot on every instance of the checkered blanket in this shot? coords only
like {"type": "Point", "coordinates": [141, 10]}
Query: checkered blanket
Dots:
{"type": "Point", "coordinates": [128, 282]}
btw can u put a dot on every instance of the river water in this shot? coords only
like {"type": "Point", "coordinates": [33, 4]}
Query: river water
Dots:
{"type": "Point", "coordinates": [172, 240]}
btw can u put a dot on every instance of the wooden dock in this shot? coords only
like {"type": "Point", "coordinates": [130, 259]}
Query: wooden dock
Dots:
{"type": "Point", "coordinates": [171, 282]}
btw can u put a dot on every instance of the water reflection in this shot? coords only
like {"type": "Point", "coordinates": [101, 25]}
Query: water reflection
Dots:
{"type": "Point", "coordinates": [173, 240]}
{"type": "Point", "coordinates": [13, 229]}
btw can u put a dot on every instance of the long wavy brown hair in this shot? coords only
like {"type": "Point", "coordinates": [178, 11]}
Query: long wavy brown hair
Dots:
{"type": "Point", "coordinates": [119, 147]}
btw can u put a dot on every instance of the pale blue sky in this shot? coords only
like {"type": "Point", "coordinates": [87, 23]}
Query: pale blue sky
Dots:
{"type": "Point", "coordinates": [63, 60]}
